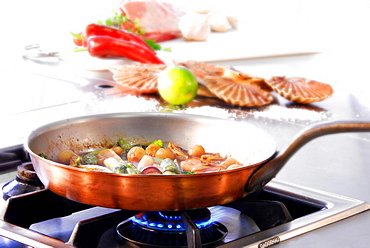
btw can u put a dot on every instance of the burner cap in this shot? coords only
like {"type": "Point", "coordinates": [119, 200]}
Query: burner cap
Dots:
{"type": "Point", "coordinates": [26, 181]}
{"type": "Point", "coordinates": [27, 173]}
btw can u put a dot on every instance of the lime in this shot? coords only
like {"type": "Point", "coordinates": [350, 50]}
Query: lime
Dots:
{"type": "Point", "coordinates": [177, 85]}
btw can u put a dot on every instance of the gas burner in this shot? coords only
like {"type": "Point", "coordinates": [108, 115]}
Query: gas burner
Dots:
{"type": "Point", "coordinates": [26, 181]}
{"type": "Point", "coordinates": [171, 220]}
{"type": "Point", "coordinates": [169, 228]}
{"type": "Point", "coordinates": [278, 212]}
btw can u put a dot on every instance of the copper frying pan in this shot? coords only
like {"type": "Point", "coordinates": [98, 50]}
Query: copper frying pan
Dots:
{"type": "Point", "coordinates": [247, 143]}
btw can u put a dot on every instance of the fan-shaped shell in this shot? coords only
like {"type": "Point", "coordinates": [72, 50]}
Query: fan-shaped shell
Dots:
{"type": "Point", "coordinates": [238, 92]}
{"type": "Point", "coordinates": [300, 90]}
{"type": "Point", "coordinates": [138, 78]}
{"type": "Point", "coordinates": [200, 69]}
{"type": "Point", "coordinates": [261, 82]}
{"type": "Point", "coordinates": [204, 91]}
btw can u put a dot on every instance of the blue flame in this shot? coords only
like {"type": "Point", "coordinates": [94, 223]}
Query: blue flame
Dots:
{"type": "Point", "coordinates": [167, 222]}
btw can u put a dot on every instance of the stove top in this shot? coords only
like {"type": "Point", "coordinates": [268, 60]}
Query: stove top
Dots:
{"type": "Point", "coordinates": [280, 211]}
{"type": "Point", "coordinates": [310, 209]}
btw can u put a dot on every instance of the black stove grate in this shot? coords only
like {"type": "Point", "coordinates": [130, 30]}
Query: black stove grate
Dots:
{"type": "Point", "coordinates": [24, 210]}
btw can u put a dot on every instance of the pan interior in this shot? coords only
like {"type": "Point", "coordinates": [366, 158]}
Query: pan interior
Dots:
{"type": "Point", "coordinates": [246, 143]}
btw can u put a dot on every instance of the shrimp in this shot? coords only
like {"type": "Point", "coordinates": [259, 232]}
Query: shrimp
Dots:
{"type": "Point", "coordinates": [197, 166]}
{"type": "Point", "coordinates": [135, 154]}
{"type": "Point", "coordinates": [179, 153]}
{"type": "Point", "coordinates": [190, 164]}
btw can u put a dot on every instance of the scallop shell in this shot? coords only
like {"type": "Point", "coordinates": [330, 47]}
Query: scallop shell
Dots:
{"type": "Point", "coordinates": [204, 91]}
{"type": "Point", "coordinates": [238, 91]}
{"type": "Point", "coordinates": [140, 78]}
{"type": "Point", "coordinates": [260, 82]}
{"type": "Point", "coordinates": [300, 90]}
{"type": "Point", "coordinates": [200, 69]}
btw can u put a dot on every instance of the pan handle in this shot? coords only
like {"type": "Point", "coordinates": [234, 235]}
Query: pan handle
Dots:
{"type": "Point", "coordinates": [269, 170]}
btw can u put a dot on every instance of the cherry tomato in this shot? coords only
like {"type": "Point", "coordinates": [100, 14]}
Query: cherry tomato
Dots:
{"type": "Point", "coordinates": [79, 39]}
{"type": "Point", "coordinates": [129, 27]}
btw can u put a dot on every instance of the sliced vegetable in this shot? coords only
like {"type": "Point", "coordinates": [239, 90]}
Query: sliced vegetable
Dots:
{"type": "Point", "coordinates": [91, 157]}
{"type": "Point", "coordinates": [120, 166]}
{"type": "Point", "coordinates": [158, 142]}
{"type": "Point", "coordinates": [131, 169]}
{"type": "Point", "coordinates": [151, 170]}
{"type": "Point", "coordinates": [169, 166]}
{"type": "Point", "coordinates": [124, 144]}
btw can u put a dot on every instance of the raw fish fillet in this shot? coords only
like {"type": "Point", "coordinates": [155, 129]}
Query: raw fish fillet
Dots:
{"type": "Point", "coordinates": [160, 20]}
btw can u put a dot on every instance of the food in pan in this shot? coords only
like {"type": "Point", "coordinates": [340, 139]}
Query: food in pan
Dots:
{"type": "Point", "coordinates": [155, 158]}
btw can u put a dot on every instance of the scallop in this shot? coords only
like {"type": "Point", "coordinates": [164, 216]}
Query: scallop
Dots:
{"type": "Point", "coordinates": [260, 82]}
{"type": "Point", "coordinates": [238, 91]}
{"type": "Point", "coordinates": [201, 70]}
{"type": "Point", "coordinates": [141, 78]}
{"type": "Point", "coordinates": [300, 90]}
{"type": "Point", "coordinates": [204, 91]}
{"type": "Point", "coordinates": [228, 84]}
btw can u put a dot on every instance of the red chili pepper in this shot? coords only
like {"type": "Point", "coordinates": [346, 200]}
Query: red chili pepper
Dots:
{"type": "Point", "coordinates": [100, 30]}
{"type": "Point", "coordinates": [103, 46]}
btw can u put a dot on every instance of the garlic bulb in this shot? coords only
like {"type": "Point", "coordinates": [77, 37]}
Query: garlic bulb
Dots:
{"type": "Point", "coordinates": [233, 20]}
{"type": "Point", "coordinates": [195, 26]}
{"type": "Point", "coordinates": [219, 22]}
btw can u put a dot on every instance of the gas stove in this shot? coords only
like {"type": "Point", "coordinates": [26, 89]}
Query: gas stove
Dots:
{"type": "Point", "coordinates": [36, 217]}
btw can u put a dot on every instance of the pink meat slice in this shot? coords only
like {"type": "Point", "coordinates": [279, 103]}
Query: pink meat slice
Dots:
{"type": "Point", "coordinates": [160, 20]}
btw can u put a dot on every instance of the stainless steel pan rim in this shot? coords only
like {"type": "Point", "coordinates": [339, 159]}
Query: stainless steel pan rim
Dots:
{"type": "Point", "coordinates": [271, 145]}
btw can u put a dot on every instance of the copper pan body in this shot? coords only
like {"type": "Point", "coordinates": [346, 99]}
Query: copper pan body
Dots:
{"type": "Point", "coordinates": [247, 143]}
{"type": "Point", "coordinates": [250, 145]}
